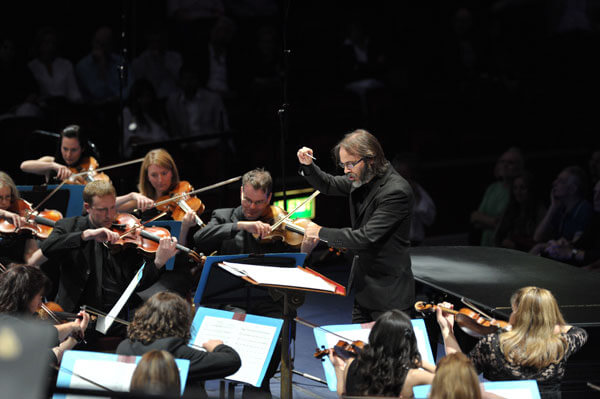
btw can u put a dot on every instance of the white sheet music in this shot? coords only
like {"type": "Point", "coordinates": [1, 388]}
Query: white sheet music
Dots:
{"type": "Point", "coordinates": [284, 276]}
{"type": "Point", "coordinates": [110, 374]}
{"type": "Point", "coordinates": [104, 322]}
{"type": "Point", "coordinates": [251, 341]}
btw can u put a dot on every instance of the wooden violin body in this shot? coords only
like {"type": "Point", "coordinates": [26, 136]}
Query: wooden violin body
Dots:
{"type": "Point", "coordinates": [343, 349]}
{"type": "Point", "coordinates": [468, 320]}
{"type": "Point", "coordinates": [182, 204]}
{"type": "Point", "coordinates": [85, 172]}
{"type": "Point", "coordinates": [145, 239]}
{"type": "Point", "coordinates": [40, 224]}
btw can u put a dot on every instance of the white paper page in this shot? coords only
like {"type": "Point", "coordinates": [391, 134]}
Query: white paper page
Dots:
{"type": "Point", "coordinates": [112, 375]}
{"type": "Point", "coordinates": [286, 276]}
{"type": "Point", "coordinates": [104, 323]}
{"type": "Point", "coordinates": [512, 393]}
{"type": "Point", "coordinates": [251, 341]}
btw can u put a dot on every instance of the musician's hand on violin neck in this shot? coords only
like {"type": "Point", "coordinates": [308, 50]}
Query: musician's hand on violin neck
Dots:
{"type": "Point", "coordinates": [17, 220]}
{"type": "Point", "coordinates": [188, 220]}
{"type": "Point", "coordinates": [445, 319]}
{"type": "Point", "coordinates": [256, 227]}
{"type": "Point", "coordinates": [167, 248]}
{"type": "Point", "coordinates": [305, 156]}
{"type": "Point", "coordinates": [338, 362]}
{"type": "Point", "coordinates": [101, 234]}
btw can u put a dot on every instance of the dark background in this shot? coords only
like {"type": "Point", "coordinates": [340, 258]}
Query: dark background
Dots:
{"type": "Point", "coordinates": [532, 81]}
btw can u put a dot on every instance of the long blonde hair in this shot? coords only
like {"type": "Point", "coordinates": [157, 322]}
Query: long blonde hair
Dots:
{"type": "Point", "coordinates": [455, 378]}
{"type": "Point", "coordinates": [156, 373]}
{"type": "Point", "coordinates": [533, 340]}
{"type": "Point", "coordinates": [7, 181]}
{"type": "Point", "coordinates": [158, 157]}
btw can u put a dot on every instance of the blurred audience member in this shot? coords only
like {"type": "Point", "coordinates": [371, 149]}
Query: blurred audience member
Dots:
{"type": "Point", "coordinates": [424, 210]}
{"type": "Point", "coordinates": [98, 73]}
{"type": "Point", "coordinates": [585, 250]}
{"type": "Point", "coordinates": [569, 212]}
{"type": "Point", "coordinates": [158, 64]}
{"type": "Point", "coordinates": [497, 195]}
{"type": "Point", "coordinates": [522, 215]}
{"type": "Point", "coordinates": [55, 75]}
{"type": "Point", "coordinates": [144, 120]}
{"type": "Point", "coordinates": [195, 111]}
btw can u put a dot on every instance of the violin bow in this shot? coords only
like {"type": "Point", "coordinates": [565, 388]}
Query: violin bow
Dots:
{"type": "Point", "coordinates": [469, 304]}
{"type": "Point", "coordinates": [82, 378]}
{"type": "Point", "coordinates": [96, 312]}
{"type": "Point", "coordinates": [200, 190]}
{"type": "Point", "coordinates": [118, 165]}
{"type": "Point", "coordinates": [287, 217]}
{"type": "Point", "coordinates": [311, 325]}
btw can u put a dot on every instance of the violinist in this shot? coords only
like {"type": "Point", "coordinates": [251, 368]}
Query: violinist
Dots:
{"type": "Point", "coordinates": [231, 231]}
{"type": "Point", "coordinates": [15, 247]}
{"type": "Point", "coordinates": [389, 366]}
{"type": "Point", "coordinates": [158, 178]}
{"type": "Point", "coordinates": [21, 290]}
{"type": "Point", "coordinates": [380, 210]}
{"type": "Point", "coordinates": [91, 273]}
{"type": "Point", "coordinates": [72, 151]}
{"type": "Point", "coordinates": [537, 347]}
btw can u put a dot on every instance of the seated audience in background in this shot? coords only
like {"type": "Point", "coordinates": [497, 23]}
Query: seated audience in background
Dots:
{"type": "Point", "coordinates": [156, 374]}
{"type": "Point", "coordinates": [55, 75]}
{"type": "Point", "coordinates": [496, 197]}
{"type": "Point", "coordinates": [163, 322]}
{"type": "Point", "coordinates": [569, 213]}
{"type": "Point", "coordinates": [19, 94]}
{"type": "Point", "coordinates": [522, 215]}
{"type": "Point", "coordinates": [21, 291]}
{"type": "Point", "coordinates": [536, 348]}
{"type": "Point", "coordinates": [424, 211]}
{"type": "Point", "coordinates": [144, 120]}
{"type": "Point", "coordinates": [455, 378]}
{"type": "Point", "coordinates": [390, 365]}
{"type": "Point", "coordinates": [585, 250]}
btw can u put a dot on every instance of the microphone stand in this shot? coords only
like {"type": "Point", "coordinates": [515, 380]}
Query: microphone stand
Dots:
{"type": "Point", "coordinates": [122, 76]}
{"type": "Point", "coordinates": [283, 110]}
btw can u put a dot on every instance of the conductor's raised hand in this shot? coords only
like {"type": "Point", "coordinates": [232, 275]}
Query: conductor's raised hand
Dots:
{"type": "Point", "coordinates": [305, 156]}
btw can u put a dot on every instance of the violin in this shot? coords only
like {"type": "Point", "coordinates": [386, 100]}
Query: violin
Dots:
{"type": "Point", "coordinates": [85, 172]}
{"type": "Point", "coordinates": [40, 224]}
{"type": "Point", "coordinates": [468, 320]}
{"type": "Point", "coordinates": [177, 203]}
{"type": "Point", "coordinates": [146, 239]}
{"type": "Point", "coordinates": [343, 349]}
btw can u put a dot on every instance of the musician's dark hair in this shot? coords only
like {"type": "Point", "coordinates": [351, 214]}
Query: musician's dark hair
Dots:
{"type": "Point", "coordinates": [164, 314]}
{"type": "Point", "coordinates": [364, 145]}
{"type": "Point", "coordinates": [259, 179]}
{"type": "Point", "coordinates": [74, 132]}
{"type": "Point", "coordinates": [18, 287]}
{"type": "Point", "coordinates": [383, 365]}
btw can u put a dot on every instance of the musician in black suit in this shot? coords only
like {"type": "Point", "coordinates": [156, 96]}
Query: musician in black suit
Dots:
{"type": "Point", "coordinates": [380, 212]}
{"type": "Point", "coordinates": [91, 273]}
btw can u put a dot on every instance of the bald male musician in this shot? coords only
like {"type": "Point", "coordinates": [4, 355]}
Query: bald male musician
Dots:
{"type": "Point", "coordinates": [90, 273]}
{"type": "Point", "coordinates": [380, 211]}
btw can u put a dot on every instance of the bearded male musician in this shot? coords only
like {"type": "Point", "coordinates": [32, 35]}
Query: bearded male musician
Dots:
{"type": "Point", "coordinates": [380, 211]}
{"type": "Point", "coordinates": [230, 231]}
{"type": "Point", "coordinates": [90, 274]}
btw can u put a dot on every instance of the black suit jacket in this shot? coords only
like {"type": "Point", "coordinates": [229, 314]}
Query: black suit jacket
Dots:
{"type": "Point", "coordinates": [78, 257]}
{"type": "Point", "coordinates": [379, 234]}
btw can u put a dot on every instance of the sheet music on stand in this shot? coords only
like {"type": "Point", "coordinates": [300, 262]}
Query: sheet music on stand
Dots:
{"type": "Point", "coordinates": [107, 369]}
{"type": "Point", "coordinates": [253, 337]}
